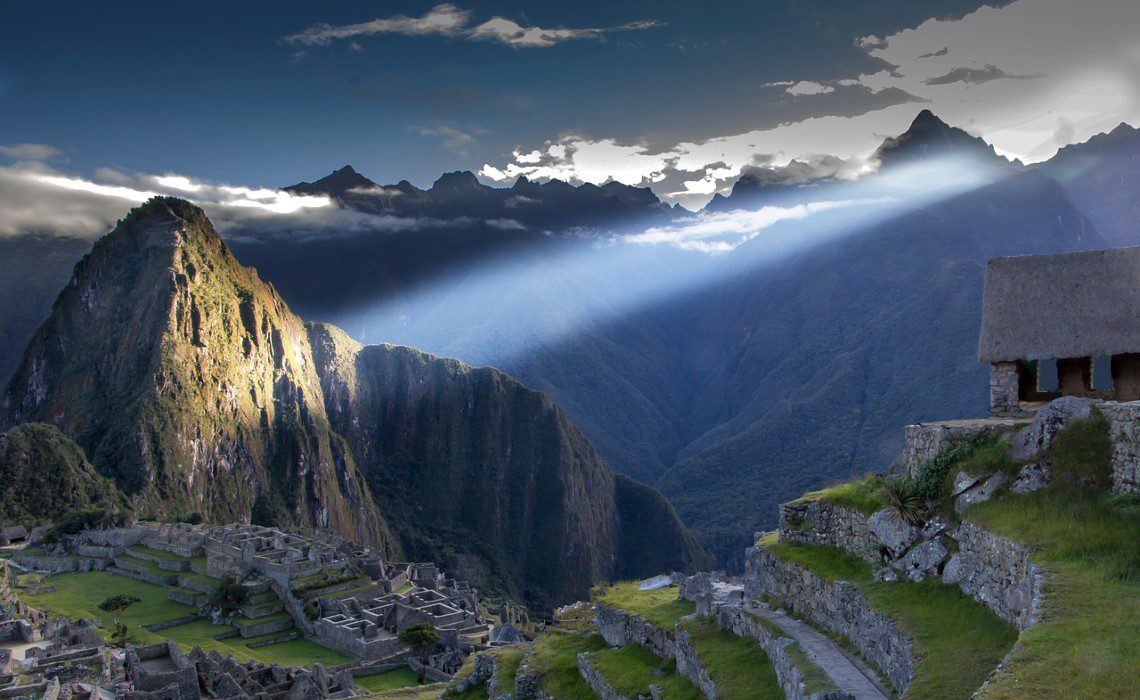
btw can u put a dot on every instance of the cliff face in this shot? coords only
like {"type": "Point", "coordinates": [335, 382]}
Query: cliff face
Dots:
{"type": "Point", "coordinates": [187, 380]}
{"type": "Point", "coordinates": [465, 459]}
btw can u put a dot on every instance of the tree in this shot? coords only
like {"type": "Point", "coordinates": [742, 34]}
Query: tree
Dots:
{"type": "Point", "coordinates": [228, 596]}
{"type": "Point", "coordinates": [422, 639]}
{"type": "Point", "coordinates": [118, 603]}
{"type": "Point", "coordinates": [120, 634]}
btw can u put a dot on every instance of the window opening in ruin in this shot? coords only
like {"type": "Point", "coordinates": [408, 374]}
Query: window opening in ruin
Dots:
{"type": "Point", "coordinates": [1047, 379]}
{"type": "Point", "coordinates": [1102, 373]}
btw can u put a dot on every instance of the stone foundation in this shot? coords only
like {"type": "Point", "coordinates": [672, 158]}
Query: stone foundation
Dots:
{"type": "Point", "coordinates": [620, 629]}
{"type": "Point", "coordinates": [1124, 422]}
{"type": "Point", "coordinates": [1005, 394]}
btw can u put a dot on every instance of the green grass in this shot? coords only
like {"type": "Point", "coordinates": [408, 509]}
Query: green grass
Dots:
{"type": "Point", "coordinates": [147, 565]}
{"type": "Point", "coordinates": [200, 578]}
{"type": "Point", "coordinates": [630, 670]}
{"type": "Point", "coordinates": [555, 659]}
{"type": "Point", "coordinates": [738, 666]}
{"type": "Point", "coordinates": [815, 680]}
{"type": "Point", "coordinates": [661, 606]}
{"type": "Point", "coordinates": [959, 640]}
{"type": "Point", "coordinates": [422, 692]}
{"type": "Point", "coordinates": [863, 495]}
{"type": "Point", "coordinates": [1088, 642]}
{"type": "Point", "coordinates": [507, 666]}
{"type": "Point", "coordinates": [242, 621]}
{"type": "Point", "coordinates": [1082, 455]}
{"type": "Point", "coordinates": [401, 677]}
{"type": "Point", "coordinates": [79, 595]}
{"type": "Point", "coordinates": [476, 692]}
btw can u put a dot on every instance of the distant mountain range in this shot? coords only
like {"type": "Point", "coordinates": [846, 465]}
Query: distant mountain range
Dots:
{"type": "Point", "coordinates": [732, 395]}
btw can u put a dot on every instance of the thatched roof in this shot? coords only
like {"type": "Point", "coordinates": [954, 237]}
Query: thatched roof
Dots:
{"type": "Point", "coordinates": [1083, 304]}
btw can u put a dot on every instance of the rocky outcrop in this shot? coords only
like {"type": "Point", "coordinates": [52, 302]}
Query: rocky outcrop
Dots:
{"type": "Point", "coordinates": [998, 572]}
{"type": "Point", "coordinates": [1124, 426]}
{"type": "Point", "coordinates": [836, 607]}
{"type": "Point", "coordinates": [828, 525]}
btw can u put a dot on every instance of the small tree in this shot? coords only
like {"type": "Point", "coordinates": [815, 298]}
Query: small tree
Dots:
{"type": "Point", "coordinates": [422, 639]}
{"type": "Point", "coordinates": [120, 634]}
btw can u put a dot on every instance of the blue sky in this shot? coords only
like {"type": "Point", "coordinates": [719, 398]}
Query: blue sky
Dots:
{"type": "Point", "coordinates": [676, 95]}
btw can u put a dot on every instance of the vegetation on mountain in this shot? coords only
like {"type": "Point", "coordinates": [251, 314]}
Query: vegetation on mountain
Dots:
{"type": "Point", "coordinates": [631, 669]}
{"type": "Point", "coordinates": [555, 661]}
{"type": "Point", "coordinates": [44, 476]}
{"type": "Point", "coordinates": [660, 606]}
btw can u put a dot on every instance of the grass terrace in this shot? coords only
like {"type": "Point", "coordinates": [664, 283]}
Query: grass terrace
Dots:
{"type": "Point", "coordinates": [960, 641]}
{"type": "Point", "coordinates": [555, 659]}
{"type": "Point", "coordinates": [79, 595]}
{"type": "Point", "coordinates": [661, 606]}
{"type": "Point", "coordinates": [863, 495]}
{"type": "Point", "coordinates": [630, 670]}
{"type": "Point", "coordinates": [159, 553]}
{"type": "Point", "coordinates": [395, 679]}
{"type": "Point", "coordinates": [507, 665]}
{"type": "Point", "coordinates": [1088, 642]}
{"type": "Point", "coordinates": [738, 666]}
{"type": "Point", "coordinates": [421, 692]}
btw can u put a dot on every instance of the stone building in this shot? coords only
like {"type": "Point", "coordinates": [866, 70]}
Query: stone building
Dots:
{"type": "Point", "coordinates": [1063, 324]}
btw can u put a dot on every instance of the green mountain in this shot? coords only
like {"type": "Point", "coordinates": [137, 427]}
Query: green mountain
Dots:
{"type": "Point", "coordinates": [189, 382]}
{"type": "Point", "coordinates": [38, 459]}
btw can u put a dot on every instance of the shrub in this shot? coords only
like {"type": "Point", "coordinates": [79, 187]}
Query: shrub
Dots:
{"type": "Point", "coordinates": [981, 455]}
{"type": "Point", "coordinates": [904, 498]}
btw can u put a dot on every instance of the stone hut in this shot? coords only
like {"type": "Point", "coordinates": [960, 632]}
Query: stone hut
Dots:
{"type": "Point", "coordinates": [1063, 324]}
{"type": "Point", "coordinates": [13, 534]}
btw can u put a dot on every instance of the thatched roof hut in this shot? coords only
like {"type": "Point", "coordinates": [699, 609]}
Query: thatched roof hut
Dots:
{"type": "Point", "coordinates": [1063, 305]}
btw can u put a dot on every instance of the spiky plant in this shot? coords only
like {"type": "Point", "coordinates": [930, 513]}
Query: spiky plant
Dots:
{"type": "Point", "coordinates": [904, 497]}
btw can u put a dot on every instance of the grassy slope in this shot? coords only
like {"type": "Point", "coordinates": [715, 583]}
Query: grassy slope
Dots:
{"type": "Point", "coordinates": [960, 640]}
{"type": "Point", "coordinates": [661, 607]}
{"type": "Point", "coordinates": [738, 666]}
{"type": "Point", "coordinates": [555, 659]}
{"type": "Point", "coordinates": [630, 670]}
{"type": "Point", "coordinates": [402, 677]}
{"type": "Point", "coordinates": [1089, 640]}
{"type": "Point", "coordinates": [79, 595]}
{"type": "Point", "coordinates": [863, 495]}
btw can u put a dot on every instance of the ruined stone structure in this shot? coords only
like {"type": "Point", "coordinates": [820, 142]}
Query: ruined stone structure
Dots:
{"type": "Point", "coordinates": [1061, 310]}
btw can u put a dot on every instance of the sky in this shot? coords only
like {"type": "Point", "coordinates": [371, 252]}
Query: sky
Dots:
{"type": "Point", "coordinates": [243, 98]}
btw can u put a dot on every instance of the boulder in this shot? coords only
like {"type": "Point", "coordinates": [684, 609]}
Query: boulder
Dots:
{"type": "Point", "coordinates": [1046, 423]}
{"type": "Point", "coordinates": [923, 561]}
{"type": "Point", "coordinates": [1032, 477]}
{"type": "Point", "coordinates": [894, 534]}
{"type": "Point", "coordinates": [979, 493]}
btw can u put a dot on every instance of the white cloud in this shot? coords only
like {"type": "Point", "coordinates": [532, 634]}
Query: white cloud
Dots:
{"type": "Point", "coordinates": [808, 87]}
{"type": "Point", "coordinates": [457, 141]}
{"type": "Point", "coordinates": [1029, 77]}
{"type": "Point", "coordinates": [441, 20]}
{"type": "Point", "coordinates": [29, 151]}
{"type": "Point", "coordinates": [506, 224]}
{"type": "Point", "coordinates": [715, 232]}
{"type": "Point", "coordinates": [451, 21]}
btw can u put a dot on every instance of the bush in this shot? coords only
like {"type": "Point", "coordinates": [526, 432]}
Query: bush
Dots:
{"type": "Point", "coordinates": [118, 603]}
{"type": "Point", "coordinates": [903, 497]}
{"type": "Point", "coordinates": [981, 455]}
{"type": "Point", "coordinates": [228, 596]}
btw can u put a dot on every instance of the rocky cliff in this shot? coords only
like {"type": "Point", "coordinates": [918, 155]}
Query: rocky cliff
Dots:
{"type": "Point", "coordinates": [187, 380]}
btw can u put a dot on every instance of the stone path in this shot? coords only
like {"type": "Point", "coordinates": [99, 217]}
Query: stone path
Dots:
{"type": "Point", "coordinates": [845, 672]}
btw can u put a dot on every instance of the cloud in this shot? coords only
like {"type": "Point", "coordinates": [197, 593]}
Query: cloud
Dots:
{"type": "Point", "coordinates": [718, 232]}
{"type": "Point", "coordinates": [977, 76]}
{"type": "Point", "coordinates": [506, 224]}
{"type": "Point", "coordinates": [29, 151]}
{"type": "Point", "coordinates": [512, 34]}
{"type": "Point", "coordinates": [452, 139]}
{"type": "Point", "coordinates": [377, 191]}
{"type": "Point", "coordinates": [441, 20]}
{"type": "Point", "coordinates": [974, 72]}
{"type": "Point", "coordinates": [808, 87]}
{"type": "Point", "coordinates": [448, 20]}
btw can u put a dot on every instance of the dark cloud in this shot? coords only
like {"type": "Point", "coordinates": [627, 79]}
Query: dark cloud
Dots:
{"type": "Point", "coordinates": [977, 76]}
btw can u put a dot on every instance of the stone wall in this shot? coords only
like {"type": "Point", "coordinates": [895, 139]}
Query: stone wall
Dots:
{"type": "Point", "coordinates": [1005, 390]}
{"type": "Point", "coordinates": [998, 572]}
{"type": "Point", "coordinates": [689, 664]}
{"type": "Point", "coordinates": [923, 441]}
{"type": "Point", "coordinates": [620, 629]}
{"type": "Point", "coordinates": [740, 622]}
{"type": "Point", "coordinates": [597, 681]}
{"type": "Point", "coordinates": [828, 525]}
{"type": "Point", "coordinates": [836, 607]}
{"type": "Point", "coordinates": [1124, 419]}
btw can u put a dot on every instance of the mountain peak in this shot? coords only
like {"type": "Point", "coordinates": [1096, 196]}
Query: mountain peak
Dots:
{"type": "Point", "coordinates": [928, 136]}
{"type": "Point", "coordinates": [336, 184]}
{"type": "Point", "coordinates": [458, 181]}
